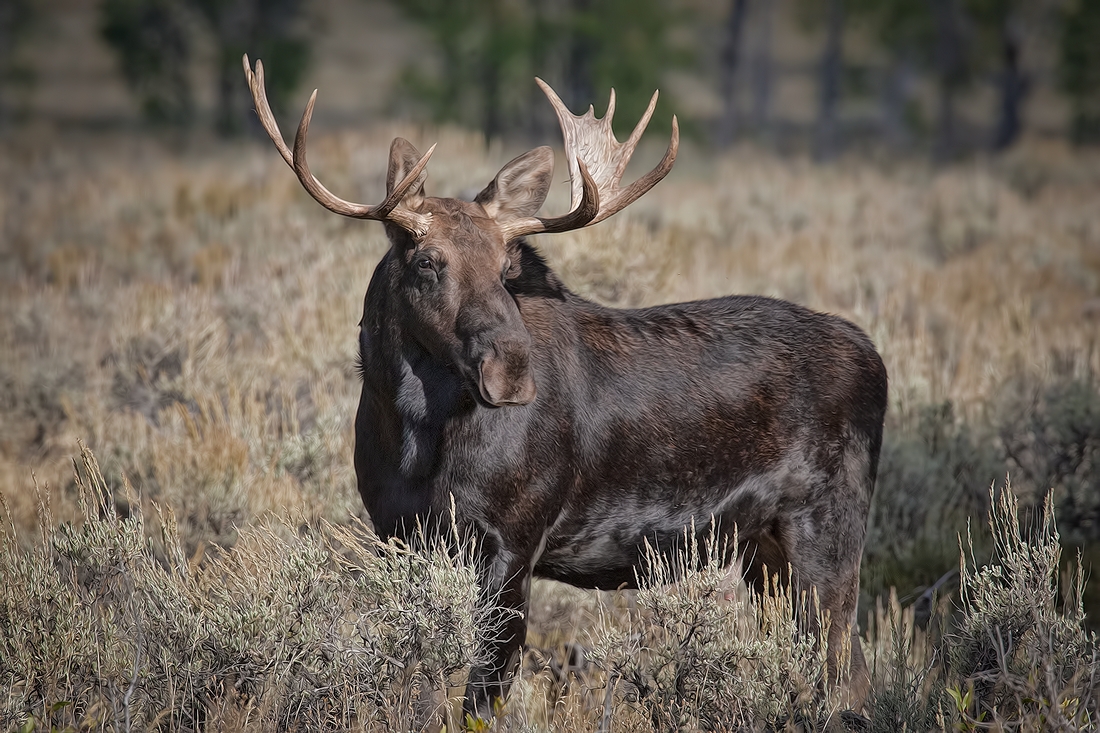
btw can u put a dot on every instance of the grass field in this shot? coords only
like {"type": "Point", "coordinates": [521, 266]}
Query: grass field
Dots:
{"type": "Point", "coordinates": [190, 316]}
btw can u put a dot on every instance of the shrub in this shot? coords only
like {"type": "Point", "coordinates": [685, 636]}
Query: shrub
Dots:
{"type": "Point", "coordinates": [906, 674]}
{"type": "Point", "coordinates": [932, 477]}
{"type": "Point", "coordinates": [318, 627]}
{"type": "Point", "coordinates": [325, 627]}
{"type": "Point", "coordinates": [1051, 440]}
{"type": "Point", "coordinates": [1020, 658]}
{"type": "Point", "coordinates": [698, 654]}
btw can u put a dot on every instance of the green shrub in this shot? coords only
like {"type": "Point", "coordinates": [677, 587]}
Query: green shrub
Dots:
{"type": "Point", "coordinates": [1021, 657]}
{"type": "Point", "coordinates": [933, 474]}
{"type": "Point", "coordinates": [1050, 436]}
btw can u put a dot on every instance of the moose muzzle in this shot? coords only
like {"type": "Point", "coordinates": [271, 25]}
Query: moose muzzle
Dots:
{"type": "Point", "coordinates": [504, 375]}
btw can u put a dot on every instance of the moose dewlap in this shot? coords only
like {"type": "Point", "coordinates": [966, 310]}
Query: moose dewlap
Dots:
{"type": "Point", "coordinates": [570, 434]}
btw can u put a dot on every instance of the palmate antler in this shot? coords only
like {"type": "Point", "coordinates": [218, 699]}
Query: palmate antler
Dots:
{"type": "Point", "coordinates": [597, 162]}
{"type": "Point", "coordinates": [389, 210]}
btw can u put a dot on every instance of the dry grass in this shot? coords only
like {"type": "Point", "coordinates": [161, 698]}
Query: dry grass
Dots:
{"type": "Point", "coordinates": [192, 318]}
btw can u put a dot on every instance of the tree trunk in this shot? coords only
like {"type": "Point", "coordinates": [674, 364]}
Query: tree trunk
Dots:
{"type": "Point", "coordinates": [232, 24]}
{"type": "Point", "coordinates": [897, 92]}
{"type": "Point", "coordinates": [951, 70]}
{"type": "Point", "coordinates": [1013, 85]}
{"type": "Point", "coordinates": [578, 73]}
{"type": "Point", "coordinates": [825, 144]}
{"type": "Point", "coordinates": [727, 74]}
{"type": "Point", "coordinates": [490, 76]}
{"type": "Point", "coordinates": [762, 68]}
{"type": "Point", "coordinates": [537, 127]}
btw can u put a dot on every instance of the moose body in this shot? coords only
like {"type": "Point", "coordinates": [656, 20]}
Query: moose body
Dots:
{"type": "Point", "coordinates": [755, 412]}
{"type": "Point", "coordinates": [569, 434]}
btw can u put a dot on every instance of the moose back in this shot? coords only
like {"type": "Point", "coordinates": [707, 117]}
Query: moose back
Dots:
{"type": "Point", "coordinates": [570, 434]}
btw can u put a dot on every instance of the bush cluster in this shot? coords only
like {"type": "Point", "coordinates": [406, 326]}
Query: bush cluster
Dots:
{"type": "Point", "coordinates": [106, 623]}
{"type": "Point", "coordinates": [936, 467]}
{"type": "Point", "coordinates": [318, 627]}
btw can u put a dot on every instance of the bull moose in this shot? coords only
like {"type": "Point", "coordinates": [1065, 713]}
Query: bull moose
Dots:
{"type": "Point", "coordinates": [570, 434]}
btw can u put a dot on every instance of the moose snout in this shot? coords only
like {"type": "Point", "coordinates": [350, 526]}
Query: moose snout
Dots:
{"type": "Point", "coordinates": [504, 374]}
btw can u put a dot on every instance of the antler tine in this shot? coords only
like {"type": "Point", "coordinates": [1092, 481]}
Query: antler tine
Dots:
{"type": "Point", "coordinates": [263, 109]}
{"type": "Point", "coordinates": [388, 207]}
{"type": "Point", "coordinates": [597, 160]}
{"type": "Point", "coordinates": [640, 187]}
{"type": "Point", "coordinates": [315, 188]}
{"type": "Point", "coordinates": [388, 210]}
{"type": "Point", "coordinates": [636, 134]}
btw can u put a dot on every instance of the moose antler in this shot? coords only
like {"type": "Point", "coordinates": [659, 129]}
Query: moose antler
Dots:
{"type": "Point", "coordinates": [389, 210]}
{"type": "Point", "coordinates": [597, 162]}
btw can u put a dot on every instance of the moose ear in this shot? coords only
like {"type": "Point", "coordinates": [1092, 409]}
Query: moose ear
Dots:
{"type": "Point", "coordinates": [520, 188]}
{"type": "Point", "coordinates": [403, 158]}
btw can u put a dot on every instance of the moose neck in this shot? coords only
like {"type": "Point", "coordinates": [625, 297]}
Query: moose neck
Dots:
{"type": "Point", "coordinates": [415, 393]}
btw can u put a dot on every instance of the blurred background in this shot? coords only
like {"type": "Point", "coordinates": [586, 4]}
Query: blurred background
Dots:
{"type": "Point", "coordinates": [944, 78]}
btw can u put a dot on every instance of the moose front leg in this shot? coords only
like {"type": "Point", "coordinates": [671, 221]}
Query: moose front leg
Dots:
{"type": "Point", "coordinates": [506, 631]}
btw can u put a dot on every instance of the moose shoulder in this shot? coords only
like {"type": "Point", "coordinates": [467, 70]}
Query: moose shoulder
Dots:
{"type": "Point", "coordinates": [570, 434]}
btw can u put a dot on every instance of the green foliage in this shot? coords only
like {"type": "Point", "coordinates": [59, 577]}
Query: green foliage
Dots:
{"type": "Point", "coordinates": [1019, 654]}
{"type": "Point", "coordinates": [934, 465]}
{"type": "Point", "coordinates": [16, 19]}
{"type": "Point", "coordinates": [489, 50]}
{"type": "Point", "coordinates": [906, 689]}
{"type": "Point", "coordinates": [905, 27]}
{"type": "Point", "coordinates": [933, 475]}
{"type": "Point", "coordinates": [265, 29]}
{"type": "Point", "coordinates": [1051, 440]}
{"type": "Point", "coordinates": [483, 48]}
{"type": "Point", "coordinates": [1079, 67]}
{"type": "Point", "coordinates": [151, 40]}
{"type": "Point", "coordinates": [630, 50]}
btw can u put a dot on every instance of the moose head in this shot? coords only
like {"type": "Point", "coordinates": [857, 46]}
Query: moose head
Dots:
{"type": "Point", "coordinates": [455, 257]}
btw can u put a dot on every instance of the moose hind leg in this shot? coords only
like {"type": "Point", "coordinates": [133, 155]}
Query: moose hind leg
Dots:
{"type": "Point", "coordinates": [816, 564]}
{"type": "Point", "coordinates": [825, 560]}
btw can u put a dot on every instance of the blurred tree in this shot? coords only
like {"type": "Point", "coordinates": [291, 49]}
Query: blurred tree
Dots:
{"type": "Point", "coordinates": [954, 40]}
{"type": "Point", "coordinates": [480, 44]}
{"type": "Point", "coordinates": [904, 29]}
{"type": "Point", "coordinates": [825, 138]}
{"type": "Point", "coordinates": [1079, 67]}
{"type": "Point", "coordinates": [489, 50]}
{"type": "Point", "coordinates": [832, 15]}
{"type": "Point", "coordinates": [266, 29]}
{"type": "Point", "coordinates": [936, 35]}
{"type": "Point", "coordinates": [540, 49]}
{"type": "Point", "coordinates": [16, 18]}
{"type": "Point", "coordinates": [582, 40]}
{"type": "Point", "coordinates": [631, 48]}
{"type": "Point", "coordinates": [151, 41]}
{"type": "Point", "coordinates": [732, 42]}
{"type": "Point", "coordinates": [998, 24]}
{"type": "Point", "coordinates": [953, 71]}
{"type": "Point", "coordinates": [762, 64]}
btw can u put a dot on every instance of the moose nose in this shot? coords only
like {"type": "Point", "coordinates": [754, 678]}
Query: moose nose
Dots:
{"type": "Point", "coordinates": [504, 374]}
